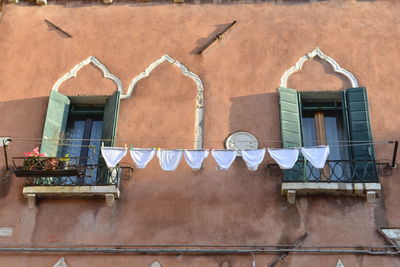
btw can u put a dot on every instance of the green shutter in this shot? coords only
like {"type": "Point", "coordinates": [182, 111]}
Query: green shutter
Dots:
{"type": "Point", "coordinates": [289, 104]}
{"type": "Point", "coordinates": [55, 124]}
{"type": "Point", "coordinates": [110, 118]}
{"type": "Point", "coordinates": [360, 133]}
{"type": "Point", "coordinates": [290, 117]}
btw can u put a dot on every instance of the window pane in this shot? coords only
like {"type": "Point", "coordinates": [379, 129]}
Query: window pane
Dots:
{"type": "Point", "coordinates": [309, 132]}
{"type": "Point", "coordinates": [94, 151]}
{"type": "Point", "coordinates": [337, 141]}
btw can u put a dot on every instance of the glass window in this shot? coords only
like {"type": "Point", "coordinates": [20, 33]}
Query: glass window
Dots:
{"type": "Point", "coordinates": [82, 139]}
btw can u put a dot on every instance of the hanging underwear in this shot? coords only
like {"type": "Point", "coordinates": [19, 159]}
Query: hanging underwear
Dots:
{"type": "Point", "coordinates": [142, 156]}
{"type": "Point", "coordinates": [169, 159]}
{"type": "Point", "coordinates": [253, 158]}
{"type": "Point", "coordinates": [285, 157]}
{"type": "Point", "coordinates": [195, 158]}
{"type": "Point", "coordinates": [113, 155]}
{"type": "Point", "coordinates": [224, 158]}
{"type": "Point", "coordinates": [317, 156]}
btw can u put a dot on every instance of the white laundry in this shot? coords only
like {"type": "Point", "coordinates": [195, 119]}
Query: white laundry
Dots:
{"type": "Point", "coordinates": [253, 158]}
{"type": "Point", "coordinates": [224, 158]}
{"type": "Point", "coordinates": [113, 155]}
{"type": "Point", "coordinates": [317, 156]}
{"type": "Point", "coordinates": [195, 158]}
{"type": "Point", "coordinates": [142, 156]}
{"type": "Point", "coordinates": [169, 159]}
{"type": "Point", "coordinates": [285, 157]}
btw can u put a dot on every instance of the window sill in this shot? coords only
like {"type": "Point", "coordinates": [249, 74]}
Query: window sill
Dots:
{"type": "Point", "coordinates": [369, 190]}
{"type": "Point", "coordinates": [110, 192]}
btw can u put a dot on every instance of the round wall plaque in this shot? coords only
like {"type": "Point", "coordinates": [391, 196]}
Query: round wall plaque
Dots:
{"type": "Point", "coordinates": [241, 141]}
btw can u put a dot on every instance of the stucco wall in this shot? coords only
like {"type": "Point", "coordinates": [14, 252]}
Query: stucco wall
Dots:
{"type": "Point", "coordinates": [240, 75]}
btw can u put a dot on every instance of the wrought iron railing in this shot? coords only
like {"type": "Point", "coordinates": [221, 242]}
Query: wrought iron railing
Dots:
{"type": "Point", "coordinates": [52, 171]}
{"type": "Point", "coordinates": [350, 171]}
{"type": "Point", "coordinates": [91, 176]}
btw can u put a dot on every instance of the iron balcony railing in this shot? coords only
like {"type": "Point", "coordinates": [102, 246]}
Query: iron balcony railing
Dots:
{"type": "Point", "coordinates": [90, 176]}
{"type": "Point", "coordinates": [349, 171]}
{"type": "Point", "coordinates": [53, 171]}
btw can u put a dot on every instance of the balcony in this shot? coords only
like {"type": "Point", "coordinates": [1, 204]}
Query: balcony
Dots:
{"type": "Point", "coordinates": [338, 177]}
{"type": "Point", "coordinates": [51, 177]}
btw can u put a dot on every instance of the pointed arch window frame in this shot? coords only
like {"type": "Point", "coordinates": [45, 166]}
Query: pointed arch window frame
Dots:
{"type": "Point", "coordinates": [95, 62]}
{"type": "Point", "coordinates": [317, 52]}
{"type": "Point", "coordinates": [199, 109]}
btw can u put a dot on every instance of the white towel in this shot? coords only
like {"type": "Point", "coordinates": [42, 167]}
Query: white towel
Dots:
{"type": "Point", "coordinates": [317, 156]}
{"type": "Point", "coordinates": [142, 156]}
{"type": "Point", "coordinates": [113, 155]}
{"type": "Point", "coordinates": [253, 158]}
{"type": "Point", "coordinates": [224, 158]}
{"type": "Point", "coordinates": [285, 157]}
{"type": "Point", "coordinates": [169, 159]}
{"type": "Point", "coordinates": [195, 158]}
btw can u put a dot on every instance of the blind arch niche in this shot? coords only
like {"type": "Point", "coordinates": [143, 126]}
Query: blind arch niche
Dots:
{"type": "Point", "coordinates": [199, 107]}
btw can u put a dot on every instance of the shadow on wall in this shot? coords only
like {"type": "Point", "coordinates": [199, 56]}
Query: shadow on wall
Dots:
{"type": "Point", "coordinates": [257, 114]}
{"type": "Point", "coordinates": [20, 118]}
{"type": "Point", "coordinates": [202, 43]}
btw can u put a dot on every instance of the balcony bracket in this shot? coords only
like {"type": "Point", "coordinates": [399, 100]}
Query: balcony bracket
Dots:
{"type": "Point", "coordinates": [110, 199]}
{"type": "Point", "coordinates": [291, 196]}
{"type": "Point", "coordinates": [31, 200]}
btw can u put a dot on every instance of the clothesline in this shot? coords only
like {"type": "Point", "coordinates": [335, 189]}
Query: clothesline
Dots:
{"type": "Point", "coordinates": [182, 140]}
{"type": "Point", "coordinates": [169, 159]}
{"type": "Point", "coordinates": [57, 142]}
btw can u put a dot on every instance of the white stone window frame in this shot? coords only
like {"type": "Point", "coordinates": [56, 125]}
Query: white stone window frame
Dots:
{"type": "Point", "coordinates": [317, 52]}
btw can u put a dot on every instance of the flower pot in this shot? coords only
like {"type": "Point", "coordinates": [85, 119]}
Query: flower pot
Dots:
{"type": "Point", "coordinates": [51, 163]}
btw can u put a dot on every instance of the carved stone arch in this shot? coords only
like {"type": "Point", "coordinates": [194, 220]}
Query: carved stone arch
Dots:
{"type": "Point", "coordinates": [339, 264]}
{"type": "Point", "coordinates": [60, 263]}
{"type": "Point", "coordinates": [155, 264]}
{"type": "Point", "coordinates": [317, 52]}
{"type": "Point", "coordinates": [199, 119]}
{"type": "Point", "coordinates": [90, 60]}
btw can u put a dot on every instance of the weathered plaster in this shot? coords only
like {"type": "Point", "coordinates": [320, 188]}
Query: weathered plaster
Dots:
{"type": "Point", "coordinates": [199, 110]}
{"type": "Point", "coordinates": [241, 74]}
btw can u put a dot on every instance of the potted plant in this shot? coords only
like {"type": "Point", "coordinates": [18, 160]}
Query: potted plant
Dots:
{"type": "Point", "coordinates": [64, 162]}
{"type": "Point", "coordinates": [34, 160]}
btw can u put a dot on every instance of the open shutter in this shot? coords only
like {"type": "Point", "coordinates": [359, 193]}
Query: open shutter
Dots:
{"type": "Point", "coordinates": [290, 117]}
{"type": "Point", "coordinates": [289, 104]}
{"type": "Point", "coordinates": [360, 133]}
{"type": "Point", "coordinates": [110, 120]}
{"type": "Point", "coordinates": [55, 124]}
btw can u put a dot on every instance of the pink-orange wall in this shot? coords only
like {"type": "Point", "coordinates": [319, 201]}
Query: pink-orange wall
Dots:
{"type": "Point", "coordinates": [240, 74]}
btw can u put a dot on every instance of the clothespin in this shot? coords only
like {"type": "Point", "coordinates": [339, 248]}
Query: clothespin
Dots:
{"type": "Point", "coordinates": [158, 148]}
{"type": "Point", "coordinates": [126, 146]}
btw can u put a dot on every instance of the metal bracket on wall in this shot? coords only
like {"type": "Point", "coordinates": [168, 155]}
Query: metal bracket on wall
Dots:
{"type": "Point", "coordinates": [5, 141]}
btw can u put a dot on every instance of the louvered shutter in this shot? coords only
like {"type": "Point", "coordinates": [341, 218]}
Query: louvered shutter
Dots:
{"type": "Point", "coordinates": [360, 134]}
{"type": "Point", "coordinates": [110, 119]}
{"type": "Point", "coordinates": [290, 118]}
{"type": "Point", "coordinates": [55, 124]}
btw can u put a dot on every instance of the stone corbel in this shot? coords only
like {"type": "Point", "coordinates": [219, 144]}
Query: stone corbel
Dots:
{"type": "Point", "coordinates": [41, 2]}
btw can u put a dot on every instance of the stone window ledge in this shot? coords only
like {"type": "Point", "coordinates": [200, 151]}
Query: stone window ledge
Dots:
{"type": "Point", "coordinates": [110, 192]}
{"type": "Point", "coordinates": [369, 190]}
